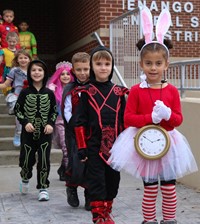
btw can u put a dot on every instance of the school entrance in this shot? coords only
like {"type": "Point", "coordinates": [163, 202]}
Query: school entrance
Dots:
{"type": "Point", "coordinates": [64, 27]}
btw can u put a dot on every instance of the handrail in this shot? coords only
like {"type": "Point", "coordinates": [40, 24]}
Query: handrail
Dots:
{"type": "Point", "coordinates": [185, 62]}
{"type": "Point", "coordinates": [185, 74]}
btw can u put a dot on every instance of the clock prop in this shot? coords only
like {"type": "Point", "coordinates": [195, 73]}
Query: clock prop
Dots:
{"type": "Point", "coordinates": [152, 142]}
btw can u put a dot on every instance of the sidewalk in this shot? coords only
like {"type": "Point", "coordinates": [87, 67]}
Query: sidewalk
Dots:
{"type": "Point", "coordinates": [25, 209]}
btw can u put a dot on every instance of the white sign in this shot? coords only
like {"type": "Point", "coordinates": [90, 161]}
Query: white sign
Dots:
{"type": "Point", "coordinates": [189, 34]}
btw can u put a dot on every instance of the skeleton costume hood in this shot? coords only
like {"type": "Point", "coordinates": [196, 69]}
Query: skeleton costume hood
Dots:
{"type": "Point", "coordinates": [31, 100]}
{"type": "Point", "coordinates": [30, 81]}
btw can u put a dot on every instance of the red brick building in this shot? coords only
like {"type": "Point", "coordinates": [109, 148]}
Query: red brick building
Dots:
{"type": "Point", "coordinates": [65, 26]}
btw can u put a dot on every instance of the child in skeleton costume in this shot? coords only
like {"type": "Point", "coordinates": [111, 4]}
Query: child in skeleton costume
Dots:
{"type": "Point", "coordinates": [75, 173]}
{"type": "Point", "coordinates": [154, 101]}
{"type": "Point", "coordinates": [57, 82]}
{"type": "Point", "coordinates": [99, 121]}
{"type": "Point", "coordinates": [37, 112]}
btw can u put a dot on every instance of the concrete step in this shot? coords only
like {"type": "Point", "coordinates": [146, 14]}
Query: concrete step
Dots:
{"type": "Point", "coordinates": [12, 157]}
{"type": "Point", "coordinates": [7, 130]}
{"type": "Point", "coordinates": [6, 144]}
{"type": "Point", "coordinates": [6, 119]}
{"type": "Point", "coordinates": [3, 108]}
{"type": "Point", "coordinates": [9, 154]}
{"type": "Point", "coordinates": [2, 98]}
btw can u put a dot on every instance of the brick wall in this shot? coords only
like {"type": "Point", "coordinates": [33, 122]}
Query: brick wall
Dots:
{"type": "Point", "coordinates": [62, 23]}
{"type": "Point", "coordinates": [77, 19]}
{"type": "Point", "coordinates": [41, 17]}
{"type": "Point", "coordinates": [84, 17]}
{"type": "Point", "coordinates": [183, 20]}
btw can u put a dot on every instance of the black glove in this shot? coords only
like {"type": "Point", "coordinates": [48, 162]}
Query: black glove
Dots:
{"type": "Point", "coordinates": [82, 154]}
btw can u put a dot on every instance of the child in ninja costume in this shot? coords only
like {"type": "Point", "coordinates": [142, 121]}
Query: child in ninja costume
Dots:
{"type": "Point", "coordinates": [99, 122]}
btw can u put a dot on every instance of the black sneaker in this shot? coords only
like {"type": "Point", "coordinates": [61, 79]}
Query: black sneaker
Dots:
{"type": "Point", "coordinates": [61, 173]}
{"type": "Point", "coordinates": [87, 204]}
{"type": "Point", "coordinates": [72, 196]}
{"type": "Point", "coordinates": [87, 200]}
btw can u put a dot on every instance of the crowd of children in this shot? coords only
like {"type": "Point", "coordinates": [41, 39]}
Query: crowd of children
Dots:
{"type": "Point", "coordinates": [11, 40]}
{"type": "Point", "coordinates": [81, 111]}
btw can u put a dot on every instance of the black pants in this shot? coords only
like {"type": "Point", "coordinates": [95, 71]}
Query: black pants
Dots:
{"type": "Point", "coordinates": [162, 182]}
{"type": "Point", "coordinates": [103, 181]}
{"type": "Point", "coordinates": [27, 159]}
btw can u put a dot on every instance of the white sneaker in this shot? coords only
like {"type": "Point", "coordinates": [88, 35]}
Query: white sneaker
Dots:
{"type": "Point", "coordinates": [24, 187]}
{"type": "Point", "coordinates": [43, 195]}
{"type": "Point", "coordinates": [16, 140]}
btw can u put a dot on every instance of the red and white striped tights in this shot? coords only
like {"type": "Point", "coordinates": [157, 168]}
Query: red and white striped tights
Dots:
{"type": "Point", "coordinates": [169, 202]}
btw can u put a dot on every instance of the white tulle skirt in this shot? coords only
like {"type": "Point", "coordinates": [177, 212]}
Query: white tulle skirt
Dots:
{"type": "Point", "coordinates": [178, 162]}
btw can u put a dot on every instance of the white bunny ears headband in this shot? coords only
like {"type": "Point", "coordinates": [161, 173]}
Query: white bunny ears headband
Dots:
{"type": "Point", "coordinates": [162, 26]}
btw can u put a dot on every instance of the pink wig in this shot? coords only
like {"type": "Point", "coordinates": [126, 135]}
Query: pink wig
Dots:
{"type": "Point", "coordinates": [54, 82]}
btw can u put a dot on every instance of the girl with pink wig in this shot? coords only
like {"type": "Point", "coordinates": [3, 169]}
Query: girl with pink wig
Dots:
{"type": "Point", "coordinates": [62, 77]}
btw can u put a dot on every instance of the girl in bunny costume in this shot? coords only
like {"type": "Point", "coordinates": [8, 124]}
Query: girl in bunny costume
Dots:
{"type": "Point", "coordinates": [57, 82]}
{"type": "Point", "coordinates": [154, 101]}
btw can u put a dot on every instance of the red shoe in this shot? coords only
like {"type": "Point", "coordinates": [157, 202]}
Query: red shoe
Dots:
{"type": "Point", "coordinates": [108, 219]}
{"type": "Point", "coordinates": [100, 221]}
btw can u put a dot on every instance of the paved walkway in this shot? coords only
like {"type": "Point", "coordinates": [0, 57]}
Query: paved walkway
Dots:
{"type": "Point", "coordinates": [25, 209]}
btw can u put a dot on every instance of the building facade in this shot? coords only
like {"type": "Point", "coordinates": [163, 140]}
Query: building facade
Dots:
{"type": "Point", "coordinates": [65, 27]}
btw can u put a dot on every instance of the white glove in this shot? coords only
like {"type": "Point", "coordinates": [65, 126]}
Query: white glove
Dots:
{"type": "Point", "coordinates": [155, 118]}
{"type": "Point", "coordinates": [162, 111]}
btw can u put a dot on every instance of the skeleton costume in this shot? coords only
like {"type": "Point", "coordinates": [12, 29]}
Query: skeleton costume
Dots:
{"type": "Point", "coordinates": [39, 109]}
{"type": "Point", "coordinates": [99, 121]}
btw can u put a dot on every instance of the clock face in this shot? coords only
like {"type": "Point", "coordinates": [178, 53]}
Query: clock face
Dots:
{"type": "Point", "coordinates": [152, 142]}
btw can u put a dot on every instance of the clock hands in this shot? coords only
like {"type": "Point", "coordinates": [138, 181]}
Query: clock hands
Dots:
{"type": "Point", "coordinates": [157, 140]}
{"type": "Point", "coordinates": [147, 138]}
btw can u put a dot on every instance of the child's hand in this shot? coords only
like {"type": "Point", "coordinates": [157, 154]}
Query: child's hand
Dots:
{"type": "Point", "coordinates": [29, 128]}
{"type": "Point", "coordinates": [48, 129]}
{"type": "Point", "coordinates": [82, 155]}
{"type": "Point", "coordinates": [162, 111]}
{"type": "Point", "coordinates": [155, 118]}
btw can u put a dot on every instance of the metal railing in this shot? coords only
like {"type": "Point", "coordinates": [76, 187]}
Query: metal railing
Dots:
{"type": "Point", "coordinates": [185, 75]}
{"type": "Point", "coordinates": [125, 31]}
